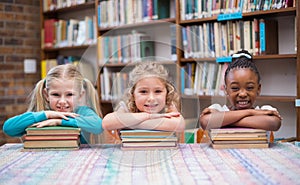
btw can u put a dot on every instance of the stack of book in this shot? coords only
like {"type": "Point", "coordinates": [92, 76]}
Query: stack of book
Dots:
{"type": "Point", "coordinates": [52, 137]}
{"type": "Point", "coordinates": [148, 139]}
{"type": "Point", "coordinates": [238, 138]}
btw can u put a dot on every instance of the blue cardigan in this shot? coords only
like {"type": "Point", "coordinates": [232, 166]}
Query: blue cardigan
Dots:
{"type": "Point", "coordinates": [88, 121]}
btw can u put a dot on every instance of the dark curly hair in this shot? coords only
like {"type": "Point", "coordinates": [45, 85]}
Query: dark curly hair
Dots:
{"type": "Point", "coordinates": [242, 59]}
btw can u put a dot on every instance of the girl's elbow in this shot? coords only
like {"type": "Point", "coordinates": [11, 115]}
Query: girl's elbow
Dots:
{"type": "Point", "coordinates": [203, 123]}
{"type": "Point", "coordinates": [105, 126]}
{"type": "Point", "coordinates": [180, 127]}
{"type": "Point", "coordinates": [7, 130]}
{"type": "Point", "coordinates": [106, 123]}
{"type": "Point", "coordinates": [276, 126]}
{"type": "Point", "coordinates": [10, 131]}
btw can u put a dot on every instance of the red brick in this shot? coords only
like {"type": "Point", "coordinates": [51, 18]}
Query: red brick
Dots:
{"type": "Point", "coordinates": [7, 33]}
{"type": "Point", "coordinates": [14, 58]}
{"type": "Point", "coordinates": [5, 67]}
{"type": "Point", "coordinates": [7, 1]}
{"type": "Point", "coordinates": [14, 8]}
{"type": "Point", "coordinates": [7, 16]}
{"type": "Point", "coordinates": [16, 25]}
{"type": "Point", "coordinates": [7, 100]}
{"type": "Point", "coordinates": [26, 2]}
{"type": "Point", "coordinates": [13, 41]}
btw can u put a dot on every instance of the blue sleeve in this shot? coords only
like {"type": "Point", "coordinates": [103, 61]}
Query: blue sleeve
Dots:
{"type": "Point", "coordinates": [15, 126]}
{"type": "Point", "coordinates": [87, 120]}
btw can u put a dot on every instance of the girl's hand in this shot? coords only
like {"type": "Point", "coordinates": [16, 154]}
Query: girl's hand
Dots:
{"type": "Point", "coordinates": [48, 122]}
{"type": "Point", "coordinates": [164, 115]}
{"type": "Point", "coordinates": [171, 114]}
{"type": "Point", "coordinates": [208, 111]}
{"type": "Point", "coordinates": [62, 115]}
{"type": "Point", "coordinates": [267, 112]}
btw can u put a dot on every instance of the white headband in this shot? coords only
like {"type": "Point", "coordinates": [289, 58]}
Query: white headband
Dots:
{"type": "Point", "coordinates": [238, 55]}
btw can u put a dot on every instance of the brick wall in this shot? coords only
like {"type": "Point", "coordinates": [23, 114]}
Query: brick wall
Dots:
{"type": "Point", "coordinates": [19, 40]}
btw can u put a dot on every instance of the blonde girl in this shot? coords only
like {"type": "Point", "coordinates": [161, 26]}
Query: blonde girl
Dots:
{"type": "Point", "coordinates": [64, 98]}
{"type": "Point", "coordinates": [151, 102]}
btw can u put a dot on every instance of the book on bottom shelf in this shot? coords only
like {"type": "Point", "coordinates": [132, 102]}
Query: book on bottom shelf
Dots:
{"type": "Point", "coordinates": [238, 138]}
{"type": "Point", "coordinates": [52, 137]}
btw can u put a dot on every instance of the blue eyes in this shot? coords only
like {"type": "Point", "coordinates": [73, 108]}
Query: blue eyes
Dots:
{"type": "Point", "coordinates": [145, 92]}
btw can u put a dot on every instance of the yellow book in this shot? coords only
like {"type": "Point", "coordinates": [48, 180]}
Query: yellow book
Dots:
{"type": "Point", "coordinates": [43, 68]}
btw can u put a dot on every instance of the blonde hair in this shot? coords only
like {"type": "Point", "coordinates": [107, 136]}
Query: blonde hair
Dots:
{"type": "Point", "coordinates": [38, 100]}
{"type": "Point", "coordinates": [150, 69]}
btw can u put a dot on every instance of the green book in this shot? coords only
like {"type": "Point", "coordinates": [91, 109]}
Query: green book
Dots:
{"type": "Point", "coordinates": [53, 130]}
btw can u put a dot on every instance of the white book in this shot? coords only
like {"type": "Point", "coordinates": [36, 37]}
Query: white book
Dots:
{"type": "Point", "coordinates": [106, 80]}
{"type": "Point", "coordinates": [81, 38]}
{"type": "Point", "coordinates": [218, 79]}
{"type": "Point", "coordinates": [247, 33]}
{"type": "Point", "coordinates": [217, 39]}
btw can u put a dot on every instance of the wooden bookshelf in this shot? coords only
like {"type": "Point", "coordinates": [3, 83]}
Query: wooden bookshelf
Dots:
{"type": "Point", "coordinates": [66, 13]}
{"type": "Point", "coordinates": [287, 101]}
{"type": "Point", "coordinates": [298, 69]}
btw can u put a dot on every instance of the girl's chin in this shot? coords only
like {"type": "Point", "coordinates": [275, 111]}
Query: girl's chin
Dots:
{"type": "Point", "coordinates": [241, 107]}
{"type": "Point", "coordinates": [151, 111]}
{"type": "Point", "coordinates": [63, 110]}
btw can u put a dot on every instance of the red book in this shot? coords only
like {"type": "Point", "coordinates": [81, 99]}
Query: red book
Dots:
{"type": "Point", "coordinates": [50, 137]}
{"type": "Point", "coordinates": [256, 36]}
{"type": "Point", "coordinates": [49, 32]}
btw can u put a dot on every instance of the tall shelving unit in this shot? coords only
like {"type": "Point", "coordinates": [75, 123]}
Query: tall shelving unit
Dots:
{"type": "Point", "coordinates": [157, 31]}
{"type": "Point", "coordinates": [298, 69]}
{"type": "Point", "coordinates": [280, 71]}
{"type": "Point", "coordinates": [61, 10]}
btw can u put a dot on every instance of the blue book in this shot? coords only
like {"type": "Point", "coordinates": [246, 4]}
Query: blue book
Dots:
{"type": "Point", "coordinates": [99, 15]}
{"type": "Point", "coordinates": [268, 36]}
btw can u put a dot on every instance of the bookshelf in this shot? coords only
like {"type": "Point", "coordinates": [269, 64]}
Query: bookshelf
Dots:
{"type": "Point", "coordinates": [279, 70]}
{"type": "Point", "coordinates": [68, 35]}
{"type": "Point", "coordinates": [121, 39]}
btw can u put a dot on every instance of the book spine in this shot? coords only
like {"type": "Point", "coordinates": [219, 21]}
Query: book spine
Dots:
{"type": "Point", "coordinates": [262, 36]}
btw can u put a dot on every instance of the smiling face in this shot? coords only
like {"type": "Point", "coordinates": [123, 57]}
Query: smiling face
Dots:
{"type": "Point", "coordinates": [62, 95]}
{"type": "Point", "coordinates": [150, 95]}
{"type": "Point", "coordinates": [242, 88]}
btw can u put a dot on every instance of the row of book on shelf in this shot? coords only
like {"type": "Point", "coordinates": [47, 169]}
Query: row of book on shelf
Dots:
{"type": "Point", "coordinates": [198, 78]}
{"type": "Point", "coordinates": [195, 9]}
{"type": "Point", "coordinates": [221, 39]}
{"type": "Point", "coordinates": [113, 84]}
{"type": "Point", "coordinates": [72, 32]}
{"type": "Point", "coordinates": [116, 13]}
{"type": "Point", "coordinates": [132, 47]}
{"type": "Point", "coordinates": [203, 78]}
{"type": "Point", "coordinates": [47, 64]}
{"type": "Point", "coordinates": [50, 5]}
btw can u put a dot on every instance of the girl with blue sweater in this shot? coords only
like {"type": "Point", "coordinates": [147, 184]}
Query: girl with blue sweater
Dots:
{"type": "Point", "coordinates": [63, 98]}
